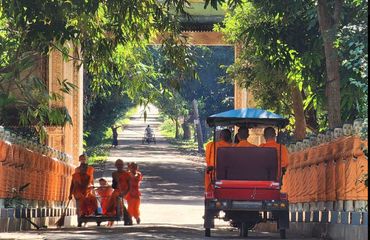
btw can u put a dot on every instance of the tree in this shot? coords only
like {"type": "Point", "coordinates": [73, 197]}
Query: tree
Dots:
{"type": "Point", "coordinates": [329, 13]}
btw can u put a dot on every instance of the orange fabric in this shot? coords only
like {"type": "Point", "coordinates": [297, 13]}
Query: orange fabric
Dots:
{"type": "Point", "coordinates": [4, 148]}
{"type": "Point", "coordinates": [310, 182]}
{"type": "Point", "coordinates": [133, 197]}
{"type": "Point", "coordinates": [340, 172]}
{"type": "Point", "coordinates": [330, 181]}
{"type": "Point", "coordinates": [123, 179]}
{"type": "Point", "coordinates": [292, 193]}
{"type": "Point", "coordinates": [362, 168]}
{"type": "Point", "coordinates": [90, 171]}
{"type": "Point", "coordinates": [284, 151]}
{"type": "Point", "coordinates": [321, 178]}
{"type": "Point", "coordinates": [133, 207]}
{"type": "Point", "coordinates": [245, 143]}
{"type": "Point", "coordinates": [351, 179]}
{"type": "Point", "coordinates": [104, 194]}
{"type": "Point", "coordinates": [286, 180]}
{"type": "Point", "coordinates": [81, 191]}
{"type": "Point", "coordinates": [210, 159]}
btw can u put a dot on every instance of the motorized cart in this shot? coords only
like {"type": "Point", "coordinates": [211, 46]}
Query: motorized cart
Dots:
{"type": "Point", "coordinates": [99, 218]}
{"type": "Point", "coordinates": [246, 181]}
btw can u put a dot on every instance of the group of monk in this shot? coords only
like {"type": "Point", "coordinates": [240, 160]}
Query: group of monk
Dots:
{"type": "Point", "coordinates": [125, 186]}
{"type": "Point", "coordinates": [241, 140]}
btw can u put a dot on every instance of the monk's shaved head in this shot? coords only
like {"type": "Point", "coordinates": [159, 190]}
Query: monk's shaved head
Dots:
{"type": "Point", "coordinates": [269, 133]}
{"type": "Point", "coordinates": [243, 133]}
{"type": "Point", "coordinates": [225, 135]}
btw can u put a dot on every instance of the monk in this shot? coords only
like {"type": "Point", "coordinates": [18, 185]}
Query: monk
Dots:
{"type": "Point", "coordinates": [121, 186]}
{"type": "Point", "coordinates": [90, 170]}
{"type": "Point", "coordinates": [243, 135]}
{"type": "Point", "coordinates": [133, 196]}
{"type": "Point", "coordinates": [225, 141]}
{"type": "Point", "coordinates": [104, 192]}
{"type": "Point", "coordinates": [270, 137]}
{"type": "Point", "coordinates": [82, 191]}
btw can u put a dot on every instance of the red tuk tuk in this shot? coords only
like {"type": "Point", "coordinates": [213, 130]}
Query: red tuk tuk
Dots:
{"type": "Point", "coordinates": [246, 182]}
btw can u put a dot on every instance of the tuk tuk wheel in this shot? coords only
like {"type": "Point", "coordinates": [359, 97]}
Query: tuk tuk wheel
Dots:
{"type": "Point", "coordinates": [243, 230]}
{"type": "Point", "coordinates": [282, 234]}
{"type": "Point", "coordinates": [207, 232]}
{"type": "Point", "coordinates": [98, 224]}
{"type": "Point", "coordinates": [79, 224]}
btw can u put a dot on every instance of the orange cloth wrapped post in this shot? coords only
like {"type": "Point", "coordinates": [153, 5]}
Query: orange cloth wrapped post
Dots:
{"type": "Point", "coordinates": [330, 182]}
{"type": "Point", "coordinates": [133, 196]}
{"type": "Point", "coordinates": [311, 180]}
{"type": "Point", "coordinates": [210, 160]}
{"type": "Point", "coordinates": [286, 180]}
{"type": "Point", "coordinates": [321, 178]}
{"type": "Point", "coordinates": [351, 179]}
{"type": "Point", "coordinates": [294, 186]}
{"type": "Point", "coordinates": [301, 185]}
{"type": "Point", "coordinates": [2, 181]}
{"type": "Point", "coordinates": [340, 173]}
{"type": "Point", "coordinates": [4, 149]}
{"type": "Point", "coordinates": [362, 169]}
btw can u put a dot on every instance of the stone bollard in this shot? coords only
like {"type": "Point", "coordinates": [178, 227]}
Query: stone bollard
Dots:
{"type": "Point", "coordinates": [299, 207]}
{"type": "Point", "coordinates": [329, 206]}
{"type": "Point", "coordinates": [321, 206]}
{"type": "Point", "coordinates": [361, 206]}
{"type": "Point", "coordinates": [349, 206]}
{"type": "Point", "coordinates": [306, 207]}
{"type": "Point", "coordinates": [313, 206]}
{"type": "Point", "coordinates": [339, 206]}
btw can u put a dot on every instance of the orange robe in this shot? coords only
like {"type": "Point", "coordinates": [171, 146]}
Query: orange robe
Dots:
{"type": "Point", "coordinates": [90, 171]}
{"type": "Point", "coordinates": [83, 194]}
{"type": "Point", "coordinates": [133, 197]}
{"type": "Point", "coordinates": [123, 180]}
{"type": "Point", "coordinates": [210, 161]}
{"type": "Point", "coordinates": [284, 151]}
{"type": "Point", "coordinates": [321, 178]}
{"type": "Point", "coordinates": [104, 194]}
{"type": "Point", "coordinates": [245, 143]}
{"type": "Point", "coordinates": [277, 146]}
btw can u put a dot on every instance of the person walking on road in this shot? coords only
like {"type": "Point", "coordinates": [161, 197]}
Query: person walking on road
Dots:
{"type": "Point", "coordinates": [115, 136]}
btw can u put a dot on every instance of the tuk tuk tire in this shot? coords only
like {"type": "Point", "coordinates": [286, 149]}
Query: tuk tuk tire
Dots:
{"type": "Point", "coordinates": [282, 233]}
{"type": "Point", "coordinates": [207, 232]}
{"type": "Point", "coordinates": [98, 224]}
{"type": "Point", "coordinates": [243, 229]}
{"type": "Point", "coordinates": [79, 224]}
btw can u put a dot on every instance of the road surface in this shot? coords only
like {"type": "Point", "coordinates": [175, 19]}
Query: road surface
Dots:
{"type": "Point", "coordinates": [172, 202]}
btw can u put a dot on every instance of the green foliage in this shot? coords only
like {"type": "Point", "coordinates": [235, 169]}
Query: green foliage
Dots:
{"type": "Point", "coordinates": [283, 47]}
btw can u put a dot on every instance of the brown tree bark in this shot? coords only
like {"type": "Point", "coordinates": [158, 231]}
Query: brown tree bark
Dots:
{"type": "Point", "coordinates": [177, 125]}
{"type": "Point", "coordinates": [298, 109]}
{"type": "Point", "coordinates": [187, 131]}
{"type": "Point", "coordinates": [329, 20]}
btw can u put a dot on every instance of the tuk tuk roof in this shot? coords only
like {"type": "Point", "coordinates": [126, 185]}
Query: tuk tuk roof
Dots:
{"type": "Point", "coordinates": [250, 117]}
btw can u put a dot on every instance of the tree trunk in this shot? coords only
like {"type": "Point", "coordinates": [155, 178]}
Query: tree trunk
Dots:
{"type": "Point", "coordinates": [298, 109]}
{"type": "Point", "coordinates": [177, 133]}
{"type": "Point", "coordinates": [187, 131]}
{"type": "Point", "coordinates": [328, 27]}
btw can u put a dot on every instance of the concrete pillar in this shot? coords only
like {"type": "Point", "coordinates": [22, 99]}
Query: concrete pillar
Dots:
{"type": "Point", "coordinates": [339, 206]}
{"type": "Point", "coordinates": [329, 206]}
{"type": "Point", "coordinates": [349, 206]}
{"type": "Point", "coordinates": [361, 206]}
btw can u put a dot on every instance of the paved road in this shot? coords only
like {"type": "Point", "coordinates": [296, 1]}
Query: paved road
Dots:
{"type": "Point", "coordinates": [172, 203]}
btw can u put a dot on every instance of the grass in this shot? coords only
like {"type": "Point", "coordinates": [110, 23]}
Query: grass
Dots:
{"type": "Point", "coordinates": [100, 153]}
